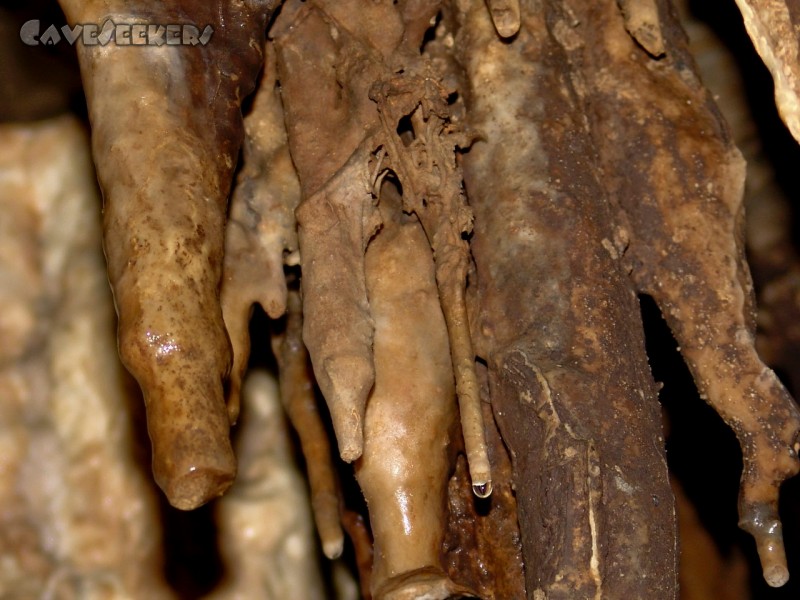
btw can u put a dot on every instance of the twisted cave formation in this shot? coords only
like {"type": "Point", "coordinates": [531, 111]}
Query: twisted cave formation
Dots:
{"type": "Point", "coordinates": [447, 210]}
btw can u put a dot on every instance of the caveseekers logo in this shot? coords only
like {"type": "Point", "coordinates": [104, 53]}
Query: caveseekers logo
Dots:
{"type": "Point", "coordinates": [121, 34]}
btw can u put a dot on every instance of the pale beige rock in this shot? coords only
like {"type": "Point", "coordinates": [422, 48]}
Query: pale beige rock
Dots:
{"type": "Point", "coordinates": [505, 16]}
{"type": "Point", "coordinates": [642, 22]}
{"type": "Point", "coordinates": [266, 532]}
{"type": "Point", "coordinates": [772, 26]}
{"type": "Point", "coordinates": [77, 517]}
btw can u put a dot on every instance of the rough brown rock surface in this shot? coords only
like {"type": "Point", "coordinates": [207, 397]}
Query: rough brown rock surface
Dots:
{"type": "Point", "coordinates": [446, 209]}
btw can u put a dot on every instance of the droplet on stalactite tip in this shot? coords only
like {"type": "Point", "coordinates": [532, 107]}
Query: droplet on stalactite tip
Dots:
{"type": "Point", "coordinates": [482, 490]}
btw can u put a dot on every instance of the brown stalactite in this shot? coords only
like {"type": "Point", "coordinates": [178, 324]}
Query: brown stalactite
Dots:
{"type": "Point", "coordinates": [337, 215]}
{"type": "Point", "coordinates": [372, 58]}
{"type": "Point", "coordinates": [425, 165]}
{"type": "Point", "coordinates": [260, 227]}
{"type": "Point", "coordinates": [678, 179]}
{"type": "Point", "coordinates": [568, 376]}
{"type": "Point", "coordinates": [297, 393]}
{"type": "Point", "coordinates": [165, 200]}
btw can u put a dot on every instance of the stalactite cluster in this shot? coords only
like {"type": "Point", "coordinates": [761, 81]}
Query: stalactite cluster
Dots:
{"type": "Point", "coordinates": [447, 210]}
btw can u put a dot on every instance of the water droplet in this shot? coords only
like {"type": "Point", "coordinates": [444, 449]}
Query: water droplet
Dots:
{"type": "Point", "coordinates": [482, 490]}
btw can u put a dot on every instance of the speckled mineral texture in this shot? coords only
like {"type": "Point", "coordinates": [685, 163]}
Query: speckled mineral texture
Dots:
{"type": "Point", "coordinates": [677, 181]}
{"type": "Point", "coordinates": [558, 325]}
{"type": "Point", "coordinates": [166, 131]}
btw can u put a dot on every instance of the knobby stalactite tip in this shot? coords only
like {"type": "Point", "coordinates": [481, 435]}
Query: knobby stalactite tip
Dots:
{"type": "Point", "coordinates": [197, 487]}
{"type": "Point", "coordinates": [505, 16]}
{"type": "Point", "coordinates": [333, 548]}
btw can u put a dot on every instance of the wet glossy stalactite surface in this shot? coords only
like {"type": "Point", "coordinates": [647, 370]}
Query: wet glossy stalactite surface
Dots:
{"type": "Point", "coordinates": [447, 210]}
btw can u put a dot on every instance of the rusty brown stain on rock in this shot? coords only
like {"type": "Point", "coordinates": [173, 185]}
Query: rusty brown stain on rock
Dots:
{"type": "Point", "coordinates": [585, 437]}
{"type": "Point", "coordinates": [682, 203]}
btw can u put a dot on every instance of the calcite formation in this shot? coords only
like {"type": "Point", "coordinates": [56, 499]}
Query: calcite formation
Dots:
{"type": "Point", "coordinates": [178, 108]}
{"type": "Point", "coordinates": [77, 519]}
{"type": "Point", "coordinates": [265, 530]}
{"type": "Point", "coordinates": [447, 209]}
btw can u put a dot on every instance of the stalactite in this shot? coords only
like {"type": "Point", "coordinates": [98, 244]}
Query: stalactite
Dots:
{"type": "Point", "coordinates": [446, 210]}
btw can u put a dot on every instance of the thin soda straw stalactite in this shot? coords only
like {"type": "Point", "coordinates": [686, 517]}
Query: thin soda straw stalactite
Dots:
{"type": "Point", "coordinates": [300, 403]}
{"type": "Point", "coordinates": [426, 167]}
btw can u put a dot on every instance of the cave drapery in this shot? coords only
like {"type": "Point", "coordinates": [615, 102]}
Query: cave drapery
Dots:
{"type": "Point", "coordinates": [447, 209]}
